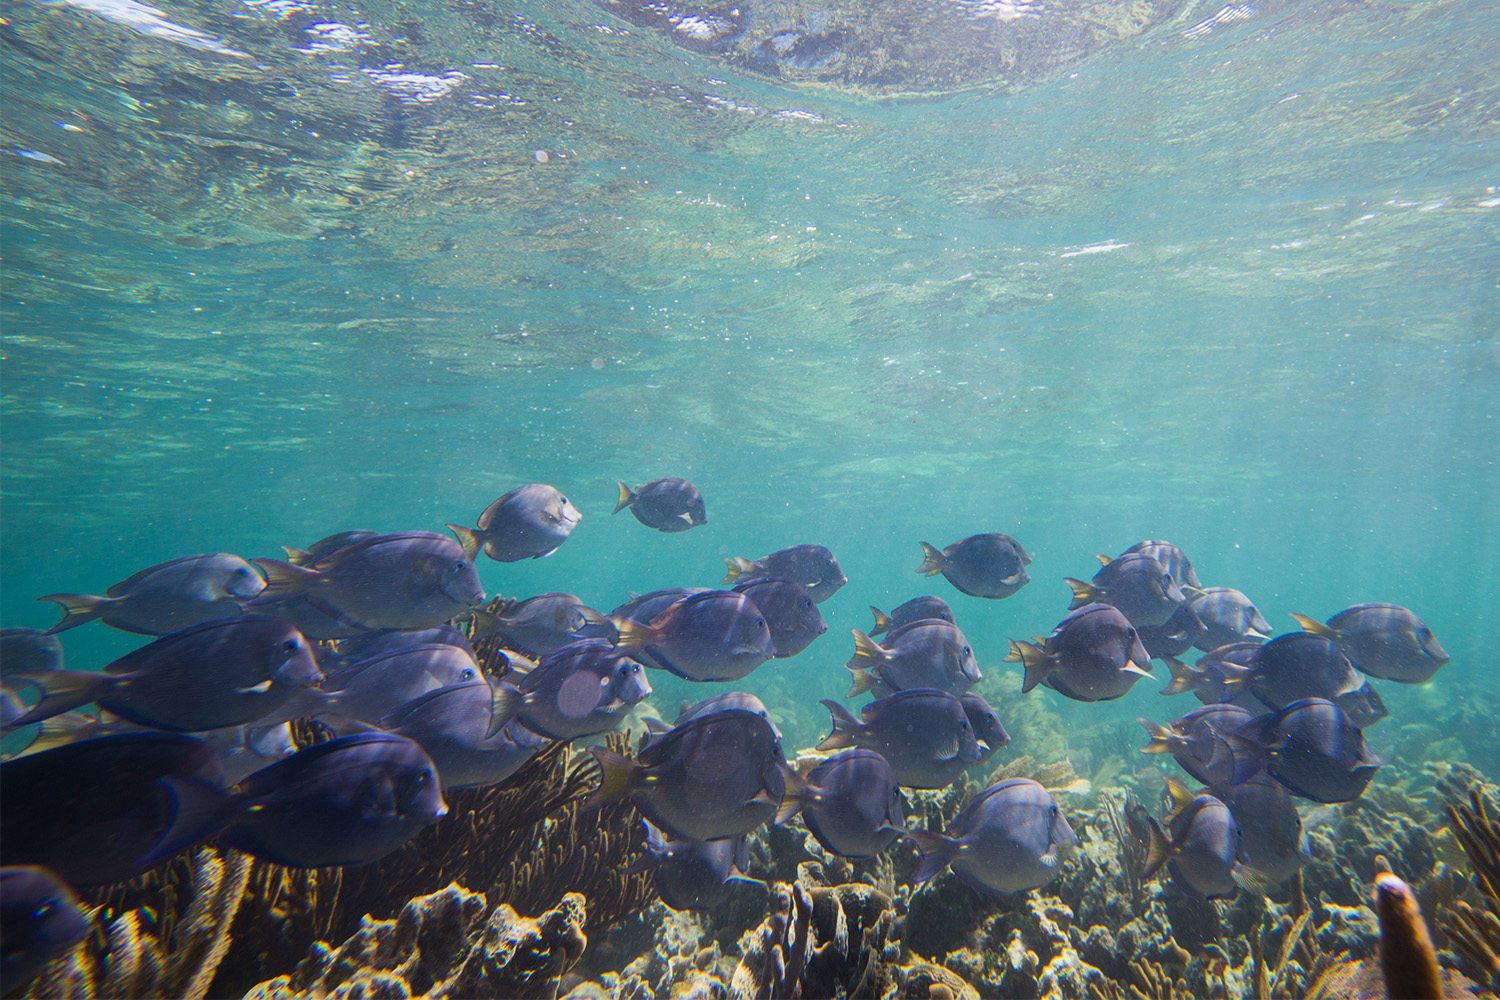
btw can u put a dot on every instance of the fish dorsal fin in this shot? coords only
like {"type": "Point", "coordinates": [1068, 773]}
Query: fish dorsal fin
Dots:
{"type": "Point", "coordinates": [1314, 626]}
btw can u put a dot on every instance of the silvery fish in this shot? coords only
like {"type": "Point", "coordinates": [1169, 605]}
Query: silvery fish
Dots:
{"type": "Point", "coordinates": [167, 597]}
{"type": "Point", "coordinates": [913, 610]}
{"type": "Point", "coordinates": [411, 580]}
{"type": "Point", "coordinates": [581, 689]}
{"type": "Point", "coordinates": [222, 673]}
{"type": "Point", "coordinates": [923, 654]}
{"type": "Point", "coordinates": [1094, 654]}
{"type": "Point", "coordinates": [1199, 742]}
{"type": "Point", "coordinates": [27, 651]}
{"type": "Point", "coordinates": [813, 566]}
{"type": "Point", "coordinates": [1136, 584]}
{"type": "Point", "coordinates": [1228, 617]}
{"type": "Point", "coordinates": [96, 812]}
{"type": "Point", "coordinates": [990, 565]}
{"type": "Point", "coordinates": [695, 874]}
{"type": "Point", "coordinates": [317, 550]}
{"type": "Point", "coordinates": [716, 777]}
{"type": "Point", "coordinates": [537, 625]}
{"type": "Point", "coordinates": [719, 635]}
{"type": "Point", "coordinates": [849, 802]}
{"type": "Point", "coordinates": [1173, 637]}
{"type": "Point", "coordinates": [1314, 749]}
{"type": "Point", "coordinates": [1270, 829]}
{"type": "Point", "coordinates": [348, 801]}
{"type": "Point", "coordinates": [1302, 665]}
{"type": "Point", "coordinates": [925, 736]}
{"type": "Point", "coordinates": [371, 687]}
{"type": "Point", "coordinates": [1011, 838]}
{"type": "Point", "coordinates": [452, 723]}
{"type": "Point", "coordinates": [1171, 558]}
{"type": "Point", "coordinates": [1201, 846]}
{"type": "Point", "coordinates": [529, 522]}
{"type": "Point", "coordinates": [664, 504]}
{"type": "Point", "coordinates": [988, 729]}
{"type": "Point", "coordinates": [791, 613]}
{"type": "Point", "coordinates": [40, 919]}
{"type": "Point", "coordinates": [739, 700]}
{"type": "Point", "coordinates": [1383, 640]}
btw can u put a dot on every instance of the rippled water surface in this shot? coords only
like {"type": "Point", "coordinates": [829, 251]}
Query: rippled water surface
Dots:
{"type": "Point", "coordinates": [1081, 272]}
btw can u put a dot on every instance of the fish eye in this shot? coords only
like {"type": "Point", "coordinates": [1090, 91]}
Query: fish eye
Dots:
{"type": "Point", "coordinates": [760, 623]}
{"type": "Point", "coordinates": [467, 674]}
{"type": "Point", "coordinates": [44, 909]}
{"type": "Point", "coordinates": [458, 567]}
{"type": "Point", "coordinates": [968, 651]}
{"type": "Point", "coordinates": [291, 646]}
{"type": "Point", "coordinates": [564, 501]}
{"type": "Point", "coordinates": [963, 726]}
{"type": "Point", "coordinates": [1054, 811]}
{"type": "Point", "coordinates": [423, 776]}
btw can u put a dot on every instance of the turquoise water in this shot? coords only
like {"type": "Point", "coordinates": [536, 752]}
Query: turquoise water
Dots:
{"type": "Point", "coordinates": [1096, 274]}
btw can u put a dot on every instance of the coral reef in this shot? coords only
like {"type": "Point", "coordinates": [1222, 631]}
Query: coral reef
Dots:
{"type": "Point", "coordinates": [447, 944]}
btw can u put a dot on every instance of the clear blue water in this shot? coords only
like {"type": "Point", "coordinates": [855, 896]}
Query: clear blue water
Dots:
{"type": "Point", "coordinates": [1222, 275]}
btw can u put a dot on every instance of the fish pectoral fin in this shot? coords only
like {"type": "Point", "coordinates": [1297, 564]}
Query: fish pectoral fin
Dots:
{"type": "Point", "coordinates": [1048, 860]}
{"type": "Point", "coordinates": [1252, 880]}
{"type": "Point", "coordinates": [1131, 668]}
{"type": "Point", "coordinates": [260, 688]}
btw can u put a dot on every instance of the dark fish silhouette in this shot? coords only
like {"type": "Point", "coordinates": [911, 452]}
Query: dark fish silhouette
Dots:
{"type": "Point", "coordinates": [1200, 741]}
{"type": "Point", "coordinates": [538, 625]}
{"type": "Point", "coordinates": [529, 522]}
{"type": "Point", "coordinates": [1228, 616]}
{"type": "Point", "coordinates": [1011, 838]}
{"type": "Point", "coordinates": [1302, 665]}
{"type": "Point", "coordinates": [1315, 750]}
{"type": "Point", "coordinates": [925, 735]}
{"type": "Point", "coordinates": [716, 777]}
{"type": "Point", "coordinates": [720, 635]}
{"type": "Point", "coordinates": [1383, 640]}
{"type": "Point", "coordinates": [813, 566]}
{"type": "Point", "coordinates": [930, 653]}
{"type": "Point", "coordinates": [695, 874]}
{"type": "Point", "coordinates": [664, 504]}
{"type": "Point", "coordinates": [411, 580]}
{"type": "Point", "coordinates": [790, 612]}
{"type": "Point", "coordinates": [990, 565]}
{"type": "Point", "coordinates": [222, 673]}
{"type": "Point", "coordinates": [913, 610]}
{"type": "Point", "coordinates": [167, 597]}
{"type": "Point", "coordinates": [1136, 584]}
{"type": "Point", "coordinates": [453, 725]}
{"type": "Point", "coordinates": [849, 802]}
{"type": "Point", "coordinates": [1094, 654]}
{"type": "Point", "coordinates": [1201, 847]}
{"type": "Point", "coordinates": [348, 801]}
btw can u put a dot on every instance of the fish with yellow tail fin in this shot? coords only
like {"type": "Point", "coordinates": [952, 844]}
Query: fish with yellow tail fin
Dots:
{"type": "Point", "coordinates": [1200, 847]}
{"type": "Point", "coordinates": [1012, 837]}
{"type": "Point", "coordinates": [1407, 957]}
{"type": "Point", "coordinates": [1139, 586]}
{"type": "Point", "coordinates": [930, 653]}
{"type": "Point", "coordinates": [1094, 654]}
{"type": "Point", "coordinates": [1208, 745]}
{"type": "Point", "coordinates": [529, 522]}
{"type": "Point", "coordinates": [990, 565]}
{"type": "Point", "coordinates": [924, 734]}
{"type": "Point", "coordinates": [668, 505]}
{"type": "Point", "coordinates": [1382, 640]}
{"type": "Point", "coordinates": [913, 610]}
{"type": "Point", "coordinates": [813, 566]}
{"type": "Point", "coordinates": [849, 802]}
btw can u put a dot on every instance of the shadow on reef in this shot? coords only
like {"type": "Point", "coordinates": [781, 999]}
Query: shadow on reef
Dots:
{"type": "Point", "coordinates": [517, 894]}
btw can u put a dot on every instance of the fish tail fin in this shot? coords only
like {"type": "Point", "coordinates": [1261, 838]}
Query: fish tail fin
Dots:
{"type": "Point", "coordinates": [1252, 880]}
{"type": "Point", "coordinates": [864, 680]}
{"type": "Point", "coordinates": [62, 691]}
{"type": "Point", "coordinates": [196, 810]}
{"type": "Point", "coordinates": [1034, 661]}
{"type": "Point", "coordinates": [798, 793]}
{"type": "Point", "coordinates": [736, 568]}
{"type": "Point", "coordinates": [1159, 849]}
{"type": "Point", "coordinates": [1164, 739]}
{"type": "Point", "coordinates": [631, 634]}
{"type": "Point", "coordinates": [468, 539]}
{"type": "Point", "coordinates": [616, 779]}
{"type": "Point", "coordinates": [627, 497]}
{"type": "Point", "coordinates": [296, 556]}
{"type": "Point", "coordinates": [1314, 626]}
{"type": "Point", "coordinates": [283, 581]}
{"type": "Point", "coordinates": [937, 851]}
{"type": "Point", "coordinates": [595, 623]}
{"type": "Point", "coordinates": [844, 727]}
{"type": "Point", "coordinates": [866, 651]}
{"type": "Point", "coordinates": [1181, 797]}
{"type": "Point", "coordinates": [77, 609]}
{"type": "Point", "coordinates": [932, 561]}
{"type": "Point", "coordinates": [1083, 593]}
{"type": "Point", "coordinates": [882, 621]}
{"type": "Point", "coordinates": [505, 704]}
{"type": "Point", "coordinates": [1184, 677]}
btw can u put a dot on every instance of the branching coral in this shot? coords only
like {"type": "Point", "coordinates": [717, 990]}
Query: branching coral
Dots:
{"type": "Point", "coordinates": [1475, 930]}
